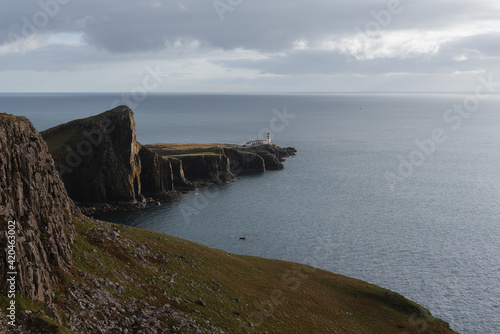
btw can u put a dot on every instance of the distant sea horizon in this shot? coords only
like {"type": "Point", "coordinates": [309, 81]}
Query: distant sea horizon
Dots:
{"type": "Point", "coordinates": [118, 93]}
{"type": "Point", "coordinates": [399, 189]}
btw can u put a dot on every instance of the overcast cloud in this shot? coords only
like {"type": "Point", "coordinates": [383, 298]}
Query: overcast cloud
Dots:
{"type": "Point", "coordinates": [248, 45]}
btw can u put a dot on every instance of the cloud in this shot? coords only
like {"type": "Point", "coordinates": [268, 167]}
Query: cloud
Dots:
{"type": "Point", "coordinates": [148, 25]}
{"type": "Point", "coordinates": [265, 38]}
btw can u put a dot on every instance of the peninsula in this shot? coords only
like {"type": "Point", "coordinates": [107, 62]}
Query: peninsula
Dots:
{"type": "Point", "coordinates": [101, 161]}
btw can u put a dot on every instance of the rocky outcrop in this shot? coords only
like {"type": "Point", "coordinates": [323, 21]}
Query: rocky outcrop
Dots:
{"type": "Point", "coordinates": [98, 157]}
{"type": "Point", "coordinates": [157, 174]}
{"type": "Point", "coordinates": [244, 162]}
{"type": "Point", "coordinates": [272, 155]}
{"type": "Point", "coordinates": [205, 163]}
{"type": "Point", "coordinates": [180, 181]}
{"type": "Point", "coordinates": [32, 195]}
{"type": "Point", "coordinates": [100, 161]}
{"type": "Point", "coordinates": [210, 168]}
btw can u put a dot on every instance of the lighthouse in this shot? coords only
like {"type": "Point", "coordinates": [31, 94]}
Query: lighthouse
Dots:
{"type": "Point", "coordinates": [268, 138]}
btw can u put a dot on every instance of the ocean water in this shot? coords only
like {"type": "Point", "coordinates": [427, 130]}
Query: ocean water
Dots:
{"type": "Point", "coordinates": [395, 189]}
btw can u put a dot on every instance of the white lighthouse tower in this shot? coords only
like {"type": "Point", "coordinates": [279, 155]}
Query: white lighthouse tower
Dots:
{"type": "Point", "coordinates": [269, 138]}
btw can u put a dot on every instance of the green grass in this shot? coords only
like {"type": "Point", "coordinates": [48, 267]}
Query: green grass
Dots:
{"type": "Point", "coordinates": [38, 323]}
{"type": "Point", "coordinates": [275, 296]}
{"type": "Point", "coordinates": [193, 154]}
{"type": "Point", "coordinates": [57, 143]}
{"type": "Point", "coordinates": [180, 150]}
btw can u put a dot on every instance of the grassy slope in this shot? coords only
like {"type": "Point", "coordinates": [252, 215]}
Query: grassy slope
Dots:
{"type": "Point", "coordinates": [275, 296]}
{"type": "Point", "coordinates": [177, 150]}
{"type": "Point", "coordinates": [57, 143]}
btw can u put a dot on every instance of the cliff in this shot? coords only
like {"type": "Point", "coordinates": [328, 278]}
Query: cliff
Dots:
{"type": "Point", "coordinates": [101, 161]}
{"type": "Point", "coordinates": [157, 174]}
{"type": "Point", "coordinates": [32, 195]}
{"type": "Point", "coordinates": [243, 162]}
{"type": "Point", "coordinates": [210, 168]}
{"type": "Point", "coordinates": [98, 157]}
{"type": "Point", "coordinates": [216, 163]}
{"type": "Point", "coordinates": [202, 164]}
{"type": "Point", "coordinates": [79, 275]}
{"type": "Point", "coordinates": [273, 155]}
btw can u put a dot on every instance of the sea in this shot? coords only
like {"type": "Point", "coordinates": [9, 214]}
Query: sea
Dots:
{"type": "Point", "coordinates": [401, 190]}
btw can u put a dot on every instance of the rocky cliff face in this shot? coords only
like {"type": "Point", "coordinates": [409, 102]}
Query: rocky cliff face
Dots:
{"type": "Point", "coordinates": [100, 161]}
{"type": "Point", "coordinates": [244, 162]}
{"type": "Point", "coordinates": [272, 155]}
{"type": "Point", "coordinates": [98, 157]}
{"type": "Point", "coordinates": [157, 174]}
{"type": "Point", "coordinates": [211, 168]}
{"type": "Point", "coordinates": [32, 194]}
{"type": "Point", "coordinates": [210, 163]}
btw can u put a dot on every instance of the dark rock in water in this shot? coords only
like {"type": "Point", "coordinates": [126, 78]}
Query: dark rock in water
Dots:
{"type": "Point", "coordinates": [32, 194]}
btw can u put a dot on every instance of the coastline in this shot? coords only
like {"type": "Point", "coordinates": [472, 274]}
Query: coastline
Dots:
{"type": "Point", "coordinates": [105, 168]}
{"type": "Point", "coordinates": [90, 276]}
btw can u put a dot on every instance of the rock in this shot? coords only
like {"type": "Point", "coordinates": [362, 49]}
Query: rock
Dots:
{"type": "Point", "coordinates": [98, 157]}
{"type": "Point", "coordinates": [243, 162]}
{"type": "Point", "coordinates": [207, 168]}
{"type": "Point", "coordinates": [32, 194]}
{"type": "Point", "coordinates": [157, 176]}
{"type": "Point", "coordinates": [200, 302]}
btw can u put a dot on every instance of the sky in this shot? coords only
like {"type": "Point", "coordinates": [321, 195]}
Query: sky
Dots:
{"type": "Point", "coordinates": [248, 45]}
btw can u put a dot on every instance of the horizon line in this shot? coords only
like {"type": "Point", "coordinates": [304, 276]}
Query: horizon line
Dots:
{"type": "Point", "coordinates": [257, 93]}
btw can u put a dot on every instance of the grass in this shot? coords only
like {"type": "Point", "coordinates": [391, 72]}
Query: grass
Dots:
{"type": "Point", "coordinates": [177, 147]}
{"type": "Point", "coordinates": [57, 143]}
{"type": "Point", "coordinates": [39, 322]}
{"type": "Point", "coordinates": [239, 294]}
{"type": "Point", "coordinates": [180, 150]}
{"type": "Point", "coordinates": [274, 296]}
{"type": "Point", "coordinates": [192, 154]}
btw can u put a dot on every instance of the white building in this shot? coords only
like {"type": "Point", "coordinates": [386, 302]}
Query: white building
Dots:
{"type": "Point", "coordinates": [260, 142]}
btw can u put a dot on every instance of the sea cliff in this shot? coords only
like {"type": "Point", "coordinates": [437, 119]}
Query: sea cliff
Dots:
{"type": "Point", "coordinates": [101, 161]}
{"type": "Point", "coordinates": [98, 157]}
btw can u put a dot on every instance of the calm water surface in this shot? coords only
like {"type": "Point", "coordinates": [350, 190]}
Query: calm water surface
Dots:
{"type": "Point", "coordinates": [433, 235]}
